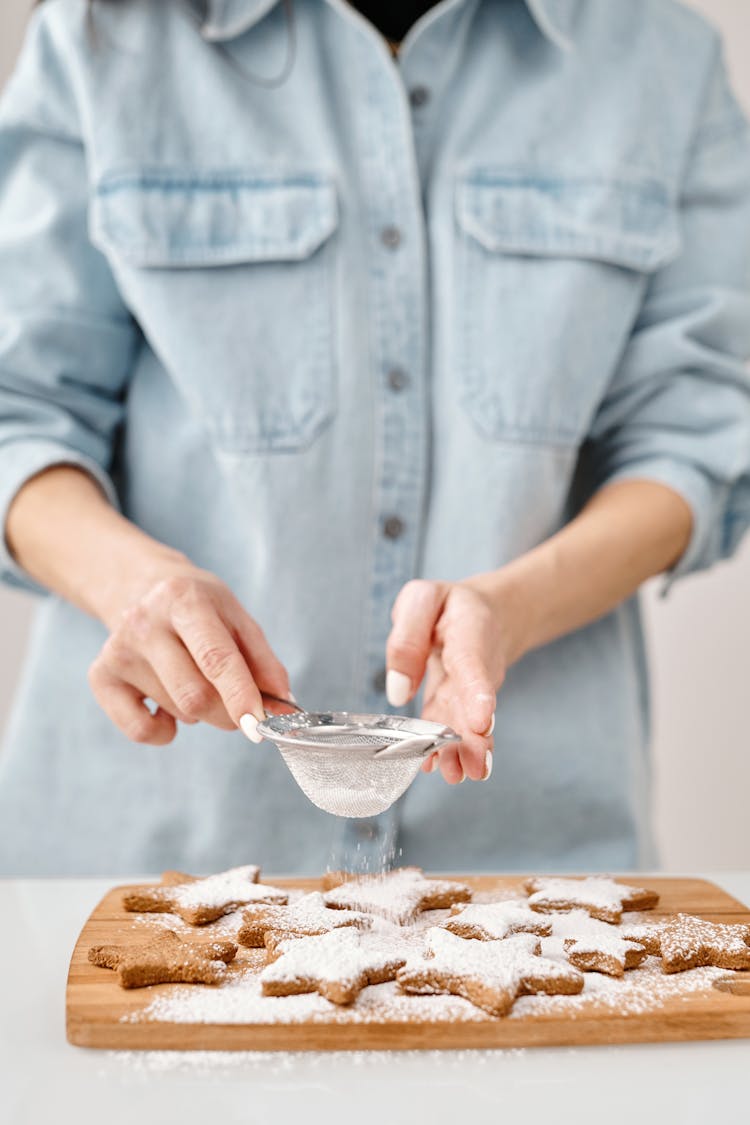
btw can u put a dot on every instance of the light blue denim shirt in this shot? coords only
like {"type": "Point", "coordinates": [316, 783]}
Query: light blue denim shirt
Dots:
{"type": "Point", "coordinates": [327, 321]}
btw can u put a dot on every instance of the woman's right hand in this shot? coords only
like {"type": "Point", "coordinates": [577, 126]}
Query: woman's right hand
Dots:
{"type": "Point", "coordinates": [185, 642]}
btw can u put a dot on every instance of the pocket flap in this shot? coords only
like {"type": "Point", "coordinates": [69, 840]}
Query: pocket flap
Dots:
{"type": "Point", "coordinates": [169, 218]}
{"type": "Point", "coordinates": [632, 223]}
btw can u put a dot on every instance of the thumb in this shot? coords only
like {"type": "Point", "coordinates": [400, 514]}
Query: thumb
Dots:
{"type": "Point", "coordinates": [415, 614]}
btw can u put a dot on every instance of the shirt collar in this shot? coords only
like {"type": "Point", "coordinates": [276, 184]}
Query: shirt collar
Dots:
{"type": "Point", "coordinates": [226, 19]}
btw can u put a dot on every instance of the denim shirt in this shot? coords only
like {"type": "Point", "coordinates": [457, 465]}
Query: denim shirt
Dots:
{"type": "Point", "coordinates": [326, 321]}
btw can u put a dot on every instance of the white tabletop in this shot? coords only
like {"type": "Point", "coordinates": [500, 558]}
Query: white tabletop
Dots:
{"type": "Point", "coordinates": [43, 1079]}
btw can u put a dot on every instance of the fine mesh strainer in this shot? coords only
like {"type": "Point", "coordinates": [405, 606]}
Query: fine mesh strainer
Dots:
{"type": "Point", "coordinates": [349, 764]}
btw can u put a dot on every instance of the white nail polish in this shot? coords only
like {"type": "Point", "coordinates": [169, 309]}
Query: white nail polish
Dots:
{"type": "Point", "coordinates": [487, 766]}
{"type": "Point", "coordinates": [491, 727]}
{"type": "Point", "coordinates": [433, 764]}
{"type": "Point", "coordinates": [397, 688]}
{"type": "Point", "coordinates": [249, 727]}
{"type": "Point", "coordinates": [292, 697]}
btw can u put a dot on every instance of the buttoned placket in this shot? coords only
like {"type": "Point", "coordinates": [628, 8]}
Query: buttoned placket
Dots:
{"type": "Point", "coordinates": [392, 202]}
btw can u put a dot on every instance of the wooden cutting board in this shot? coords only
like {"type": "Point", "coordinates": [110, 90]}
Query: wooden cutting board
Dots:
{"type": "Point", "coordinates": [101, 1014]}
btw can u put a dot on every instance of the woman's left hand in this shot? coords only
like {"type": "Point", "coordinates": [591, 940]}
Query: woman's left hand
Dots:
{"type": "Point", "coordinates": [448, 634]}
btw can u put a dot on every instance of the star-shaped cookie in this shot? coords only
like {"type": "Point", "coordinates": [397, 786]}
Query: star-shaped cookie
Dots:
{"type": "Point", "coordinates": [593, 946]}
{"type": "Point", "coordinates": [307, 917]}
{"type": "Point", "coordinates": [686, 942]}
{"type": "Point", "coordinates": [166, 959]}
{"type": "Point", "coordinates": [337, 964]}
{"type": "Point", "coordinates": [398, 895]}
{"type": "Point", "coordinates": [600, 897]}
{"type": "Point", "coordinates": [491, 921]}
{"type": "Point", "coordinates": [198, 901]}
{"type": "Point", "coordinates": [490, 974]}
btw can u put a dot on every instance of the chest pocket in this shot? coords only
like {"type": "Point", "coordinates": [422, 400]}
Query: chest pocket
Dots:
{"type": "Point", "coordinates": [230, 275]}
{"type": "Point", "coordinates": [551, 274]}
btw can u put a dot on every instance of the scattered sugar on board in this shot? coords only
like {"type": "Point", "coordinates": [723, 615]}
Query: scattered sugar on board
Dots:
{"type": "Point", "coordinates": [146, 1064]}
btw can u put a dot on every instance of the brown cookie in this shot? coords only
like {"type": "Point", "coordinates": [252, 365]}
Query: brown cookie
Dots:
{"type": "Point", "coordinates": [166, 959]}
{"type": "Point", "coordinates": [307, 917]}
{"type": "Point", "coordinates": [492, 921]}
{"type": "Point", "coordinates": [198, 901]}
{"type": "Point", "coordinates": [686, 942]}
{"type": "Point", "coordinates": [600, 897]}
{"type": "Point", "coordinates": [337, 964]}
{"type": "Point", "coordinates": [489, 974]}
{"type": "Point", "coordinates": [398, 895]}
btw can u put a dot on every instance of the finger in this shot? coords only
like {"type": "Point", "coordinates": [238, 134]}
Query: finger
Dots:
{"type": "Point", "coordinates": [192, 695]}
{"type": "Point", "coordinates": [124, 705]}
{"type": "Point", "coordinates": [216, 654]}
{"type": "Point", "coordinates": [464, 665]}
{"type": "Point", "coordinates": [450, 766]}
{"type": "Point", "coordinates": [121, 662]}
{"type": "Point", "coordinates": [446, 707]}
{"type": "Point", "coordinates": [268, 671]}
{"type": "Point", "coordinates": [414, 615]}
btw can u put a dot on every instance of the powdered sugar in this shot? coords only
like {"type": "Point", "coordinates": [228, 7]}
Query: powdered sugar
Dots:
{"type": "Point", "coordinates": [340, 956]}
{"type": "Point", "coordinates": [492, 921]}
{"type": "Point", "coordinates": [238, 885]}
{"type": "Point", "coordinates": [398, 895]}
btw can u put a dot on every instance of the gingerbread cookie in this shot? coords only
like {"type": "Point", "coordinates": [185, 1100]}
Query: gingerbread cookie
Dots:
{"type": "Point", "coordinates": [337, 964]}
{"type": "Point", "coordinates": [594, 946]}
{"type": "Point", "coordinates": [491, 921]}
{"type": "Point", "coordinates": [490, 974]}
{"type": "Point", "coordinates": [686, 942]}
{"type": "Point", "coordinates": [308, 917]}
{"type": "Point", "coordinates": [600, 897]}
{"type": "Point", "coordinates": [166, 959]}
{"type": "Point", "coordinates": [398, 895]}
{"type": "Point", "coordinates": [199, 901]}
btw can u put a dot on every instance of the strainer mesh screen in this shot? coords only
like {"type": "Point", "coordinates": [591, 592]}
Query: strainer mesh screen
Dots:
{"type": "Point", "coordinates": [349, 782]}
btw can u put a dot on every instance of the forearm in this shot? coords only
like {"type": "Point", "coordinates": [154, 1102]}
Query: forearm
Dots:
{"type": "Point", "coordinates": [627, 533]}
{"type": "Point", "coordinates": [64, 533]}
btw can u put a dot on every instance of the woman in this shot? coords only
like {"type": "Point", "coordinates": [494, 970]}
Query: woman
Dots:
{"type": "Point", "coordinates": [289, 320]}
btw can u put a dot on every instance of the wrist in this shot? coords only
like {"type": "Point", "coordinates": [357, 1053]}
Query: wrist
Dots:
{"type": "Point", "coordinates": [504, 591]}
{"type": "Point", "coordinates": [129, 571]}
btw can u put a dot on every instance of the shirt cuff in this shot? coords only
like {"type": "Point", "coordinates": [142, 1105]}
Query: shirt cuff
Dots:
{"type": "Point", "coordinates": [707, 500]}
{"type": "Point", "coordinates": [19, 462]}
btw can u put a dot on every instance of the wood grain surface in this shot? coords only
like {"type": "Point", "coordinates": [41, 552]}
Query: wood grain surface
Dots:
{"type": "Point", "coordinates": [101, 1014]}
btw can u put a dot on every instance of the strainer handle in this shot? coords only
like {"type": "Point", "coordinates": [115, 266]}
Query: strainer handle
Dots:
{"type": "Point", "coordinates": [278, 699]}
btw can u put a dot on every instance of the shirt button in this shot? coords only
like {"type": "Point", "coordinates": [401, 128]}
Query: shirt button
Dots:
{"type": "Point", "coordinates": [390, 237]}
{"type": "Point", "coordinates": [378, 682]}
{"type": "Point", "coordinates": [419, 96]}
{"type": "Point", "coordinates": [397, 379]}
{"type": "Point", "coordinates": [393, 527]}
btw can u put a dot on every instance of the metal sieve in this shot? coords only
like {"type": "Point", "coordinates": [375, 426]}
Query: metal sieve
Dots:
{"type": "Point", "coordinates": [349, 764]}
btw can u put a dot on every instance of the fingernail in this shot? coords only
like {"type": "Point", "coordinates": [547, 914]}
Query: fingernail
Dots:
{"type": "Point", "coordinates": [432, 764]}
{"type": "Point", "coordinates": [463, 778]}
{"type": "Point", "coordinates": [397, 688]}
{"type": "Point", "coordinates": [249, 727]}
{"type": "Point", "coordinates": [491, 727]}
{"type": "Point", "coordinates": [487, 766]}
{"type": "Point", "coordinates": [292, 697]}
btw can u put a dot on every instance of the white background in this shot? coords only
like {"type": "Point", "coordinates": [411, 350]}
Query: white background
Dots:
{"type": "Point", "coordinates": [699, 638]}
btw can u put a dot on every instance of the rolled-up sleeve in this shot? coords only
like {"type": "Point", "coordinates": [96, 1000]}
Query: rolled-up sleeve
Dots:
{"type": "Point", "coordinates": [678, 408]}
{"type": "Point", "coordinates": [66, 339]}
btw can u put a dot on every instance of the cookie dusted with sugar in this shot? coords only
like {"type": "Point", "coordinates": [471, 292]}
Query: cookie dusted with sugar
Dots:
{"type": "Point", "coordinates": [198, 901]}
{"type": "Point", "coordinates": [593, 946]}
{"type": "Point", "coordinates": [398, 895]}
{"type": "Point", "coordinates": [307, 917]}
{"type": "Point", "coordinates": [166, 959]}
{"type": "Point", "coordinates": [491, 921]}
{"type": "Point", "coordinates": [686, 942]}
{"type": "Point", "coordinates": [600, 897]}
{"type": "Point", "coordinates": [489, 974]}
{"type": "Point", "coordinates": [337, 964]}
